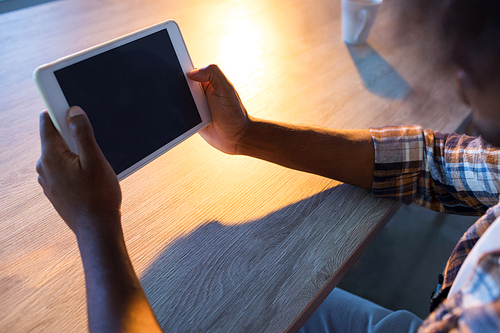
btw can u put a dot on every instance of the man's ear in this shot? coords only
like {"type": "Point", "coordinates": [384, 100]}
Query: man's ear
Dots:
{"type": "Point", "coordinates": [465, 85]}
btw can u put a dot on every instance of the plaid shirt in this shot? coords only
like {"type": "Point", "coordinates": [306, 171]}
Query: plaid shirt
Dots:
{"type": "Point", "coordinates": [449, 173]}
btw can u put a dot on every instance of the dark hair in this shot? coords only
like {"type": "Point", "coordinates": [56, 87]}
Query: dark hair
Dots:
{"type": "Point", "coordinates": [467, 32]}
{"type": "Point", "coordinates": [472, 28]}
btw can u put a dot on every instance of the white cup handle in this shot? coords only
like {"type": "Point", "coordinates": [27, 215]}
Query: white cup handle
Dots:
{"type": "Point", "coordinates": [362, 16]}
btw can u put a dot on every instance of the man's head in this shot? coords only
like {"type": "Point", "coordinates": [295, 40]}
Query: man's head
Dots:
{"type": "Point", "coordinates": [468, 35]}
{"type": "Point", "coordinates": [472, 30]}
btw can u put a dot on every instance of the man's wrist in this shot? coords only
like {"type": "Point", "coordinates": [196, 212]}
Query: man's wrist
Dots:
{"type": "Point", "coordinates": [105, 228]}
{"type": "Point", "coordinates": [251, 139]}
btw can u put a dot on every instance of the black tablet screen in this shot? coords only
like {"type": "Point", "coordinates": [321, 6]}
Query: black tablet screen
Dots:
{"type": "Point", "coordinates": [135, 95]}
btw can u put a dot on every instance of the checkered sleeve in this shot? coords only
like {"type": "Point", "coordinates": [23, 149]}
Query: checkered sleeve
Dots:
{"type": "Point", "coordinates": [449, 173]}
{"type": "Point", "coordinates": [475, 307]}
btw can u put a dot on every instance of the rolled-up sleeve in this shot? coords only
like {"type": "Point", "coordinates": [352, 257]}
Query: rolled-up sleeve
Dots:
{"type": "Point", "coordinates": [449, 173]}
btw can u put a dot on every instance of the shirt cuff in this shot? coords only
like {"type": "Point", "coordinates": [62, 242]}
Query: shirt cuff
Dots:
{"type": "Point", "coordinates": [399, 156]}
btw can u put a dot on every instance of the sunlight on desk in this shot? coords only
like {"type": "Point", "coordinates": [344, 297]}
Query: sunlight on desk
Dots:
{"type": "Point", "coordinates": [242, 39]}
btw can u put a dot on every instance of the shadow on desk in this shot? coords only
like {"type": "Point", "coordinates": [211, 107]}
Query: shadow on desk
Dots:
{"type": "Point", "coordinates": [377, 75]}
{"type": "Point", "coordinates": [206, 280]}
{"type": "Point", "coordinates": [11, 5]}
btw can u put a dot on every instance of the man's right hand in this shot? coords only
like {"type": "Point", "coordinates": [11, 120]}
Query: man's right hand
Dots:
{"type": "Point", "coordinates": [229, 117]}
{"type": "Point", "coordinates": [82, 188]}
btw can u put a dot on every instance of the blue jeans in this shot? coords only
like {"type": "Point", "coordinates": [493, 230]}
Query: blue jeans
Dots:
{"type": "Point", "coordinates": [344, 312]}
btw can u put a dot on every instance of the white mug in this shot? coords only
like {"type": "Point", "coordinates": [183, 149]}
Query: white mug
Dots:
{"type": "Point", "coordinates": [358, 17]}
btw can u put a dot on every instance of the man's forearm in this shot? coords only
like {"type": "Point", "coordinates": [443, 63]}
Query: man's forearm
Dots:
{"type": "Point", "coordinates": [115, 299]}
{"type": "Point", "coordinates": [344, 155]}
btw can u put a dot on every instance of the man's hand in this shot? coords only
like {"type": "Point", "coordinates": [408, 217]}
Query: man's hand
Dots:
{"type": "Point", "coordinates": [83, 188]}
{"type": "Point", "coordinates": [345, 155]}
{"type": "Point", "coordinates": [229, 117]}
{"type": "Point", "coordinates": [85, 191]}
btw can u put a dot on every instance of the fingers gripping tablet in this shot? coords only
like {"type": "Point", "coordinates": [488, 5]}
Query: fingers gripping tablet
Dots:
{"type": "Point", "coordinates": [135, 92]}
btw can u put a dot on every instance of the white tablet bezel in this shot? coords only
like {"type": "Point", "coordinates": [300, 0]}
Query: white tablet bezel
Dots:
{"type": "Point", "coordinates": [57, 105]}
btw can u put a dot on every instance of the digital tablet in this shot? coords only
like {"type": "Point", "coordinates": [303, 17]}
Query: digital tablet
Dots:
{"type": "Point", "coordinates": [135, 92]}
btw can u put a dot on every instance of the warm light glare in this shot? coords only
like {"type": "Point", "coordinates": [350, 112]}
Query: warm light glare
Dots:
{"type": "Point", "coordinates": [240, 51]}
{"type": "Point", "coordinates": [251, 41]}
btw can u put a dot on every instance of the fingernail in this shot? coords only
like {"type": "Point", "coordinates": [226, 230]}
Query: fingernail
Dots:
{"type": "Point", "coordinates": [193, 72]}
{"type": "Point", "coordinates": [75, 111]}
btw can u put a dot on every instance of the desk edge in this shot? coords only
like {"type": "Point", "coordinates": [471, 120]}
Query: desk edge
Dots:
{"type": "Point", "coordinates": [314, 304]}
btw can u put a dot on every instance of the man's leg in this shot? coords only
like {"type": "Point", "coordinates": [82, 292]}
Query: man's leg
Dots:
{"type": "Point", "coordinates": [343, 312]}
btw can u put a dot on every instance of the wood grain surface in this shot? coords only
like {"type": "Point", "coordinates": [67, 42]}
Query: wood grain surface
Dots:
{"type": "Point", "coordinates": [221, 243]}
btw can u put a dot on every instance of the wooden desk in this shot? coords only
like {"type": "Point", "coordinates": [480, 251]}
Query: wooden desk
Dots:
{"type": "Point", "coordinates": [221, 243]}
